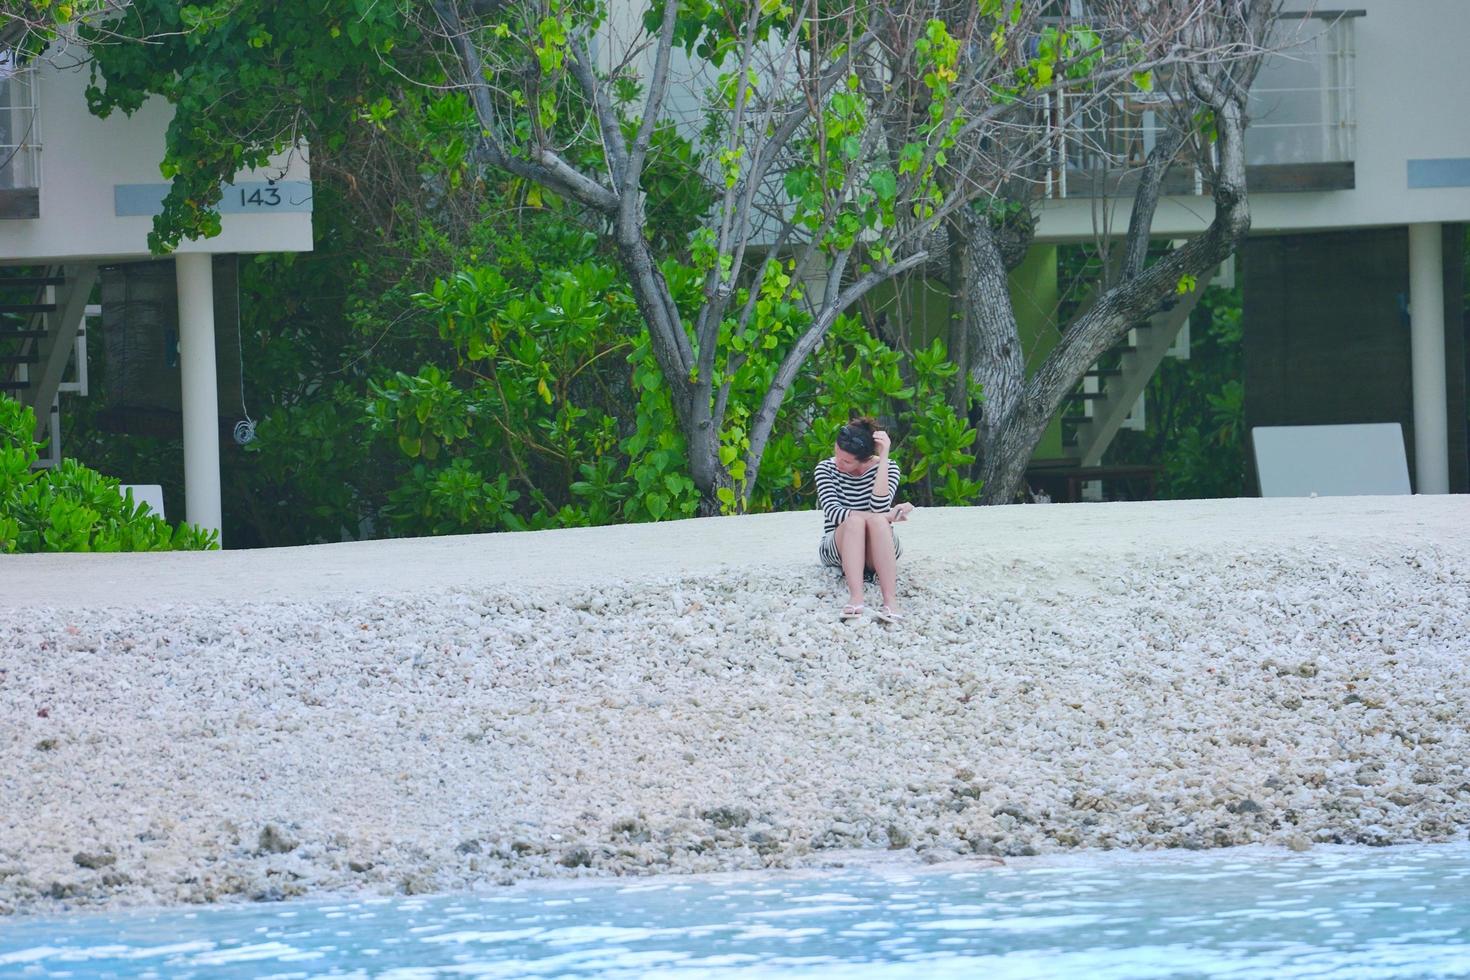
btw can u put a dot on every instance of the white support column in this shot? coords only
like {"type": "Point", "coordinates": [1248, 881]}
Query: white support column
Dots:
{"type": "Point", "coordinates": [195, 275]}
{"type": "Point", "coordinates": [1431, 409]}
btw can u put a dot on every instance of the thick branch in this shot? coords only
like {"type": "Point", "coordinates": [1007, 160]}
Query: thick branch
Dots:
{"type": "Point", "coordinates": [658, 88]}
{"type": "Point", "coordinates": [1146, 200]}
{"type": "Point", "coordinates": [665, 321]}
{"type": "Point", "coordinates": [614, 147]}
{"type": "Point", "coordinates": [543, 166]}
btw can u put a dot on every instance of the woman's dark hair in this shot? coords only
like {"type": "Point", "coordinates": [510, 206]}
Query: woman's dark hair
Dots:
{"type": "Point", "coordinates": [856, 437]}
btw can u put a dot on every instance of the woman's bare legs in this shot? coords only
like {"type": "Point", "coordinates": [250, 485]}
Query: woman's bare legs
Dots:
{"type": "Point", "coordinates": [880, 556]}
{"type": "Point", "coordinates": [851, 540]}
{"type": "Point", "coordinates": [865, 540]}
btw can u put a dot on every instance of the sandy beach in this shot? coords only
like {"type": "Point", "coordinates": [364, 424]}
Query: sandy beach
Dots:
{"type": "Point", "coordinates": [439, 714]}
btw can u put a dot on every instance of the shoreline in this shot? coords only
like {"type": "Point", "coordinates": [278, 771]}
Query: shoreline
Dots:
{"type": "Point", "coordinates": [834, 864]}
{"type": "Point", "coordinates": [1236, 672]}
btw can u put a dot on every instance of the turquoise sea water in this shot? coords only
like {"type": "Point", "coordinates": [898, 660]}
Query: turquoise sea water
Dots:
{"type": "Point", "coordinates": [1330, 912]}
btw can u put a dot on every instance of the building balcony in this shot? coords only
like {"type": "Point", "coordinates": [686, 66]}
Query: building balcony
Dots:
{"type": "Point", "coordinates": [1301, 135]}
{"type": "Point", "coordinates": [20, 142]}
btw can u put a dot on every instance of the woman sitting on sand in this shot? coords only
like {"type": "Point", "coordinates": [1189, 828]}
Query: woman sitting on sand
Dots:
{"type": "Point", "coordinates": [855, 490]}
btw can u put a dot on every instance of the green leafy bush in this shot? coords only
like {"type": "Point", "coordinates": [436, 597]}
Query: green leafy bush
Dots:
{"type": "Point", "coordinates": [71, 507]}
{"type": "Point", "coordinates": [522, 430]}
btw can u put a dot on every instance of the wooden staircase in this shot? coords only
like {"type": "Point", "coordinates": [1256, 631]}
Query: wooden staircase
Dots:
{"type": "Point", "coordinates": [1108, 392]}
{"type": "Point", "coordinates": [40, 320]}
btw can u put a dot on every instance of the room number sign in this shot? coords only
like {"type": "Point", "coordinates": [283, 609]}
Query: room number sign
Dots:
{"type": "Point", "coordinates": [246, 197]}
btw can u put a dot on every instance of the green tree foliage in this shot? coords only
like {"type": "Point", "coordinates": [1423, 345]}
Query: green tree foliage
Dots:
{"type": "Point", "coordinates": [246, 80]}
{"type": "Point", "coordinates": [458, 354]}
{"type": "Point", "coordinates": [530, 406]}
{"type": "Point", "coordinates": [462, 352]}
{"type": "Point", "coordinates": [71, 507]}
{"type": "Point", "coordinates": [27, 27]}
{"type": "Point", "coordinates": [797, 120]}
{"type": "Point", "coordinates": [849, 134]}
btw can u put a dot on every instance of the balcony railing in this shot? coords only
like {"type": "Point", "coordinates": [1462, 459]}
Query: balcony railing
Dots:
{"type": "Point", "coordinates": [20, 141]}
{"type": "Point", "coordinates": [1302, 132]}
{"type": "Point", "coordinates": [1302, 106]}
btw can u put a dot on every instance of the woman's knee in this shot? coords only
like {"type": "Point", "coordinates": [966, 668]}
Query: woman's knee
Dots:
{"type": "Point", "coordinates": [855, 519]}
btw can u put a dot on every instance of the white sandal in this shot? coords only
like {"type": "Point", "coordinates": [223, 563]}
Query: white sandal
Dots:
{"type": "Point", "coordinates": [851, 611]}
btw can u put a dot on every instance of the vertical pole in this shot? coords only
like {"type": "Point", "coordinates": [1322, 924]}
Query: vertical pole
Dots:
{"type": "Point", "coordinates": [195, 275]}
{"type": "Point", "coordinates": [1431, 409]}
{"type": "Point", "coordinates": [54, 444]}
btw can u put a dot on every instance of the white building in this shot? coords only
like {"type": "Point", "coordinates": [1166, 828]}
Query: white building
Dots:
{"type": "Point", "coordinates": [1359, 179]}
{"type": "Point", "coordinates": [78, 192]}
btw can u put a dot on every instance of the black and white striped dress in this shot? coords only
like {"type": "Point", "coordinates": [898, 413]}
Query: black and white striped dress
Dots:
{"type": "Point", "coordinates": [838, 493]}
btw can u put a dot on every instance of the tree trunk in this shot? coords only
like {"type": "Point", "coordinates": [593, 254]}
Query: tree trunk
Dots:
{"type": "Point", "coordinates": [690, 392]}
{"type": "Point", "coordinates": [1007, 456]}
{"type": "Point", "coordinates": [992, 341]}
{"type": "Point", "coordinates": [957, 254]}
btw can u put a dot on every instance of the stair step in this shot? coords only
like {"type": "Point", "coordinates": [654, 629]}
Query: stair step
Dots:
{"type": "Point", "coordinates": [14, 385]}
{"type": "Point", "coordinates": [27, 307]}
{"type": "Point", "coordinates": [20, 359]}
{"type": "Point", "coordinates": [22, 334]}
{"type": "Point", "coordinates": [1104, 372]}
{"type": "Point", "coordinates": [1087, 396]}
{"type": "Point", "coordinates": [8, 281]}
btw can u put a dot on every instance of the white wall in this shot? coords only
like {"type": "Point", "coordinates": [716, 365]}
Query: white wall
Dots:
{"type": "Point", "coordinates": [1411, 93]}
{"type": "Point", "coordinates": [83, 158]}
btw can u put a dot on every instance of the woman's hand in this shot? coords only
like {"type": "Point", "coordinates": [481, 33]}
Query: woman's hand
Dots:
{"type": "Point", "coordinates": [900, 513]}
{"type": "Point", "coordinates": [881, 442]}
